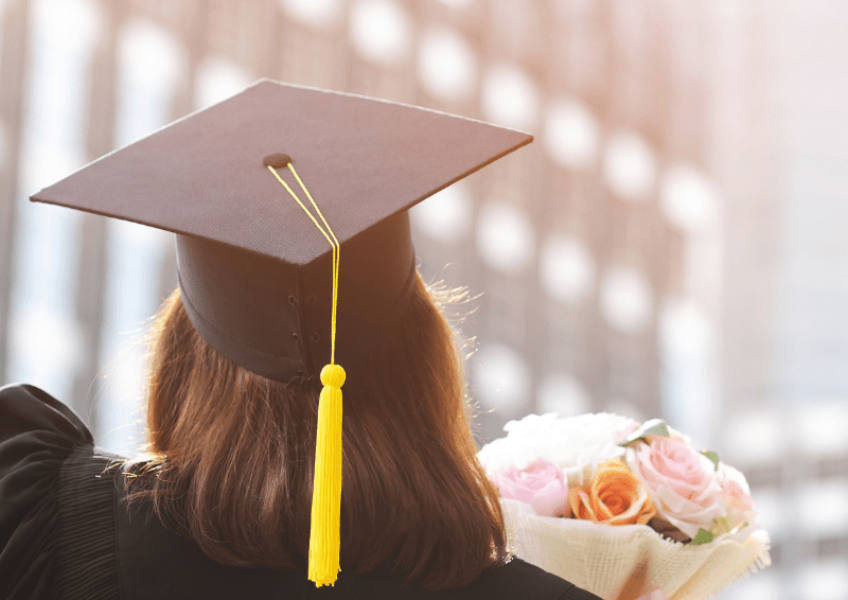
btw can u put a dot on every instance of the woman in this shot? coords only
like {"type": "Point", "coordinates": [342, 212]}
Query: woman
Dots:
{"type": "Point", "coordinates": [221, 508]}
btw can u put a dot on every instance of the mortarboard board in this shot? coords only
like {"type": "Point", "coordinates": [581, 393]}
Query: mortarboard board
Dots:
{"type": "Point", "coordinates": [252, 268]}
{"type": "Point", "coordinates": [254, 271]}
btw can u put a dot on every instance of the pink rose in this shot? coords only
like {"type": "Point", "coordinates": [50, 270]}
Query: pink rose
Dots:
{"type": "Point", "coordinates": [540, 485]}
{"type": "Point", "coordinates": [738, 504]}
{"type": "Point", "coordinates": [682, 483]}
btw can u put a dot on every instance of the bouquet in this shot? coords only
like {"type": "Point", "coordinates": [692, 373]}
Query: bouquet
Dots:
{"type": "Point", "coordinates": [597, 497]}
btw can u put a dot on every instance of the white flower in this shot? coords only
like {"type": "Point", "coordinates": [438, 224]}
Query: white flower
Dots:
{"type": "Point", "coordinates": [576, 445]}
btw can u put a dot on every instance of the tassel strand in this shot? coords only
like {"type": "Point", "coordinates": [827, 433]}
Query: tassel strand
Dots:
{"type": "Point", "coordinates": [324, 536]}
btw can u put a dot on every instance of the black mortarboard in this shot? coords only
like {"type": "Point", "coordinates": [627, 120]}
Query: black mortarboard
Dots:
{"type": "Point", "coordinates": [253, 270]}
{"type": "Point", "coordinates": [258, 278]}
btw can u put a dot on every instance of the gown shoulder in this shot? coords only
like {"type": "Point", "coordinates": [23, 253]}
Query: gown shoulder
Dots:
{"type": "Point", "coordinates": [519, 579]}
{"type": "Point", "coordinates": [44, 446]}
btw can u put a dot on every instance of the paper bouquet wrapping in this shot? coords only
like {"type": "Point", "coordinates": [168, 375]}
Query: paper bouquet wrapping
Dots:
{"type": "Point", "coordinates": [598, 497]}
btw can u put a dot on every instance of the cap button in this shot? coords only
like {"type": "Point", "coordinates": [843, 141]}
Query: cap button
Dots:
{"type": "Point", "coordinates": [278, 161]}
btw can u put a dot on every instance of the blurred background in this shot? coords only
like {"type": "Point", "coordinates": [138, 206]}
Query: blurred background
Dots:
{"type": "Point", "coordinates": [674, 243]}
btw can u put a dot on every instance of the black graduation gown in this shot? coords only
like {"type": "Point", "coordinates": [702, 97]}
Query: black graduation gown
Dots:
{"type": "Point", "coordinates": [65, 532]}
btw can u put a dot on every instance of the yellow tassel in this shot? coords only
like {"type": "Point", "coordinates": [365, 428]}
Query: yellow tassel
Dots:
{"type": "Point", "coordinates": [327, 488]}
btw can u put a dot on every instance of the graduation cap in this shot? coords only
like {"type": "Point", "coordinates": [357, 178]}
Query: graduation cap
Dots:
{"type": "Point", "coordinates": [293, 243]}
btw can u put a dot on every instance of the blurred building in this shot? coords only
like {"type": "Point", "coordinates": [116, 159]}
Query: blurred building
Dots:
{"type": "Point", "coordinates": [671, 244]}
{"type": "Point", "coordinates": [783, 170]}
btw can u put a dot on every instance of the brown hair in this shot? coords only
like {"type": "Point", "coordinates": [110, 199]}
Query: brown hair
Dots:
{"type": "Point", "coordinates": [234, 451]}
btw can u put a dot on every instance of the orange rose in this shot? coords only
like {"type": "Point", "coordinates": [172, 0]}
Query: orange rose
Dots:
{"type": "Point", "coordinates": [614, 497]}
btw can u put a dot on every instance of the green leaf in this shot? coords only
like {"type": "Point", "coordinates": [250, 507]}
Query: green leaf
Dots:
{"type": "Point", "coordinates": [712, 456]}
{"type": "Point", "coordinates": [651, 427]}
{"type": "Point", "coordinates": [702, 537]}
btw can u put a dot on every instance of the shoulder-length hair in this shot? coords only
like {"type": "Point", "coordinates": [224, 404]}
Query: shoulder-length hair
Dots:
{"type": "Point", "coordinates": [233, 455]}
